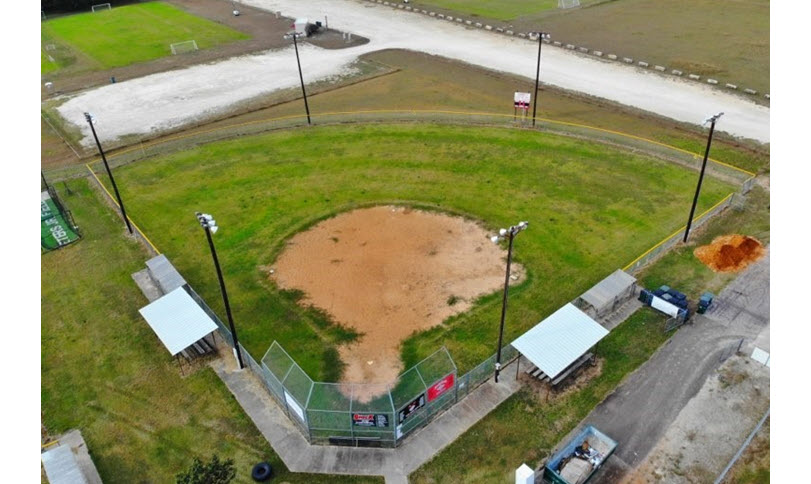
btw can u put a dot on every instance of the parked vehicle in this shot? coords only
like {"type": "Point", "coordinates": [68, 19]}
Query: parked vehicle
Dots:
{"type": "Point", "coordinates": [579, 459]}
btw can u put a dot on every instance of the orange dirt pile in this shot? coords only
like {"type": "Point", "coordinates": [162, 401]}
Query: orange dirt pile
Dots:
{"type": "Point", "coordinates": [388, 272]}
{"type": "Point", "coordinates": [730, 253]}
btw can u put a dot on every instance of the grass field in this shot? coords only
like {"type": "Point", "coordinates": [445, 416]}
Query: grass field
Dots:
{"type": "Point", "coordinates": [126, 35]}
{"type": "Point", "coordinates": [496, 9]}
{"type": "Point", "coordinates": [106, 373]}
{"type": "Point", "coordinates": [593, 209]}
{"type": "Point", "coordinates": [728, 41]}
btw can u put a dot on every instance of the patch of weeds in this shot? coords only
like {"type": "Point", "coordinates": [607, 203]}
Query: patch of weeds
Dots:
{"type": "Point", "coordinates": [453, 299]}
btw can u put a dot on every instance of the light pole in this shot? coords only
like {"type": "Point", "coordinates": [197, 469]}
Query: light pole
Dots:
{"type": "Point", "coordinates": [89, 119]}
{"type": "Point", "coordinates": [294, 36]}
{"type": "Point", "coordinates": [541, 37]}
{"type": "Point", "coordinates": [511, 233]}
{"type": "Point", "coordinates": [711, 120]}
{"type": "Point", "coordinates": [210, 226]}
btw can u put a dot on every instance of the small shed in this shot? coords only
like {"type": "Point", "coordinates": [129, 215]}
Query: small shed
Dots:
{"type": "Point", "coordinates": [559, 344]}
{"type": "Point", "coordinates": [607, 295]}
{"type": "Point", "coordinates": [181, 324]}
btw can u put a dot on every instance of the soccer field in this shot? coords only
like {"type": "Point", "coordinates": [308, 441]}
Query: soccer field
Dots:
{"type": "Point", "coordinates": [592, 209]}
{"type": "Point", "coordinates": [129, 34]}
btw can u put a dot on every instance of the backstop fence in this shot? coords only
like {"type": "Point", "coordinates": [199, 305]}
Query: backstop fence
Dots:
{"type": "Point", "coordinates": [361, 414]}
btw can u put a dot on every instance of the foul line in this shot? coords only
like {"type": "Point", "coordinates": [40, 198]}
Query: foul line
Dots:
{"type": "Point", "coordinates": [683, 227]}
{"type": "Point", "coordinates": [143, 234]}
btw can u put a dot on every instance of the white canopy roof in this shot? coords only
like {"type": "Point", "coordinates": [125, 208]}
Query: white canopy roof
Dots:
{"type": "Point", "coordinates": [559, 340]}
{"type": "Point", "coordinates": [178, 320]}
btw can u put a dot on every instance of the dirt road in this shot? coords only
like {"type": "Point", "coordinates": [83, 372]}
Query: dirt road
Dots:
{"type": "Point", "coordinates": [638, 414]}
{"type": "Point", "coordinates": [171, 99]}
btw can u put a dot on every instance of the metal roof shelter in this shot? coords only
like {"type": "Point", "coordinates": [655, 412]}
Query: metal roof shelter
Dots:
{"type": "Point", "coordinates": [178, 320]}
{"type": "Point", "coordinates": [559, 340]}
{"type": "Point", "coordinates": [605, 294]}
{"type": "Point", "coordinates": [61, 466]}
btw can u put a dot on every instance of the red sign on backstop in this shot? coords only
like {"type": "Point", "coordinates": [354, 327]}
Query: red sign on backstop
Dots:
{"type": "Point", "coordinates": [440, 387]}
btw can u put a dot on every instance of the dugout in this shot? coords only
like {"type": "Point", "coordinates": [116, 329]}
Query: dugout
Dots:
{"type": "Point", "coordinates": [607, 295]}
{"type": "Point", "coordinates": [560, 344]}
{"type": "Point", "coordinates": [183, 327]}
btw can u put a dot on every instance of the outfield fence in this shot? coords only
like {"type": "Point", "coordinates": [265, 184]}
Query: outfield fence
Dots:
{"type": "Point", "coordinates": [139, 150]}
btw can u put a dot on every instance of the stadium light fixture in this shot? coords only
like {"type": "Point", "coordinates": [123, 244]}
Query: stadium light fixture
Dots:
{"type": "Point", "coordinates": [712, 120]}
{"type": "Point", "coordinates": [510, 234]}
{"type": "Point", "coordinates": [541, 36]}
{"type": "Point", "coordinates": [294, 36]}
{"type": "Point", "coordinates": [210, 226]}
{"type": "Point", "coordinates": [89, 118]}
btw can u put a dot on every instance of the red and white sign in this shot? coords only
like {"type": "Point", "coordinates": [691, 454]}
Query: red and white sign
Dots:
{"type": "Point", "coordinates": [521, 100]}
{"type": "Point", "coordinates": [440, 387]}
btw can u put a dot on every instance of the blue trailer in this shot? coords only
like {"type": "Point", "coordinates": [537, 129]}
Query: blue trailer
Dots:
{"type": "Point", "coordinates": [579, 459]}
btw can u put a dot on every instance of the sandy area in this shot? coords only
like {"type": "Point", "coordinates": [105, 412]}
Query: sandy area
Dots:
{"type": "Point", "coordinates": [171, 99]}
{"type": "Point", "coordinates": [711, 427]}
{"type": "Point", "coordinates": [730, 253]}
{"type": "Point", "coordinates": [388, 272]}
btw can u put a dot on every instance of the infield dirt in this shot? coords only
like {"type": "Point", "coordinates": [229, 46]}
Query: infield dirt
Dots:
{"type": "Point", "coordinates": [387, 272]}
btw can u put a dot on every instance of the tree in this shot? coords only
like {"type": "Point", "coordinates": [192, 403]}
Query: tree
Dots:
{"type": "Point", "coordinates": [213, 472]}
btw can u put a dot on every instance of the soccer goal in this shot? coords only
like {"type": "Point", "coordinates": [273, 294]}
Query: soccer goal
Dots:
{"type": "Point", "coordinates": [568, 3]}
{"type": "Point", "coordinates": [101, 6]}
{"type": "Point", "coordinates": [183, 47]}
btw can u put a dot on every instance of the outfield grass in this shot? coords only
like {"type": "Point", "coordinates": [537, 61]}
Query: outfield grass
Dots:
{"type": "Point", "coordinates": [105, 372]}
{"type": "Point", "coordinates": [592, 209]}
{"type": "Point", "coordinates": [129, 34]}
{"type": "Point", "coordinates": [46, 64]}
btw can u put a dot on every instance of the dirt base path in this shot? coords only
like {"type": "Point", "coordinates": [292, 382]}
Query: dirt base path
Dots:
{"type": "Point", "coordinates": [387, 272]}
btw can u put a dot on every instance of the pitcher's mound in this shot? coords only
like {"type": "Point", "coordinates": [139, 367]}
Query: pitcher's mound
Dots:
{"type": "Point", "coordinates": [388, 272]}
{"type": "Point", "coordinates": [730, 253]}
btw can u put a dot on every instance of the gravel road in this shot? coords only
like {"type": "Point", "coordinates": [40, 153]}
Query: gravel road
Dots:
{"type": "Point", "coordinates": [171, 99]}
{"type": "Point", "coordinates": [640, 411]}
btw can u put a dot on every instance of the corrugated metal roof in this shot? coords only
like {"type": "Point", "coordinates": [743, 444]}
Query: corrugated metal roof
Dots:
{"type": "Point", "coordinates": [605, 291]}
{"type": "Point", "coordinates": [559, 340]}
{"type": "Point", "coordinates": [165, 274]}
{"type": "Point", "coordinates": [61, 466]}
{"type": "Point", "coordinates": [178, 320]}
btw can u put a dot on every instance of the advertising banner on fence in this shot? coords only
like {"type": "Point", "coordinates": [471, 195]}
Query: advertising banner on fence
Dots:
{"type": "Point", "coordinates": [440, 387]}
{"type": "Point", "coordinates": [412, 407]}
{"type": "Point", "coordinates": [370, 420]}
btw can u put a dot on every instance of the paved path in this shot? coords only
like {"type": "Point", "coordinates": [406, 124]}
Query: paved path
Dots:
{"type": "Point", "coordinates": [171, 99]}
{"type": "Point", "coordinates": [394, 464]}
{"type": "Point", "coordinates": [640, 410]}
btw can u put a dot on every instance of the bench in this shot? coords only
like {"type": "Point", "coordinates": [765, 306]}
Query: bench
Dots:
{"type": "Point", "coordinates": [536, 372]}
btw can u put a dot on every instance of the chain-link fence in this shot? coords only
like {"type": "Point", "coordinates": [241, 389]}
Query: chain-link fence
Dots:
{"type": "Point", "coordinates": [361, 414]}
{"type": "Point", "coordinates": [121, 154]}
{"type": "Point", "coordinates": [662, 247]}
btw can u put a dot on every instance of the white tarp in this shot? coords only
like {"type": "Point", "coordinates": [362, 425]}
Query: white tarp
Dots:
{"type": "Point", "coordinates": [664, 306]}
{"type": "Point", "coordinates": [178, 320]}
{"type": "Point", "coordinates": [559, 340]}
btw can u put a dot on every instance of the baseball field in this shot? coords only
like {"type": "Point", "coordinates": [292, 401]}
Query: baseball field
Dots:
{"type": "Point", "coordinates": [592, 208]}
